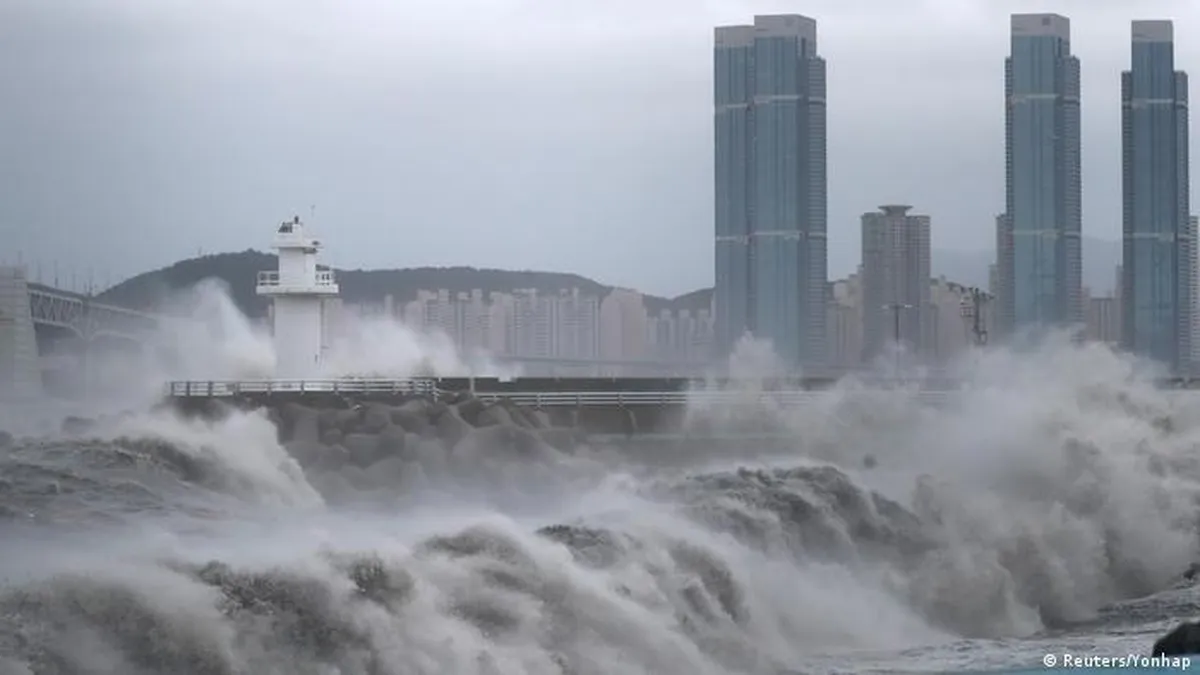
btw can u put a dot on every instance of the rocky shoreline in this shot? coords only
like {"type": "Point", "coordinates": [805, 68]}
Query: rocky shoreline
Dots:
{"type": "Point", "coordinates": [369, 433]}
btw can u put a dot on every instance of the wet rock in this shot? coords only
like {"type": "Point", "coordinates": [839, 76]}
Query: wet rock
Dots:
{"type": "Point", "coordinates": [412, 475]}
{"type": "Point", "coordinates": [332, 436]}
{"type": "Point", "coordinates": [392, 441]}
{"type": "Point", "coordinates": [333, 458]}
{"type": "Point", "coordinates": [363, 449]}
{"type": "Point", "coordinates": [412, 415]}
{"type": "Point", "coordinates": [1184, 639]}
{"type": "Point", "coordinates": [451, 427]}
{"type": "Point", "coordinates": [563, 438]}
{"type": "Point", "coordinates": [507, 441]}
{"type": "Point", "coordinates": [459, 438]}
{"type": "Point", "coordinates": [539, 418]}
{"type": "Point", "coordinates": [523, 417]}
{"type": "Point", "coordinates": [276, 419]}
{"type": "Point", "coordinates": [469, 410]}
{"type": "Point", "coordinates": [375, 418]}
{"type": "Point", "coordinates": [300, 423]}
{"type": "Point", "coordinates": [495, 414]}
{"type": "Point", "coordinates": [347, 421]}
{"type": "Point", "coordinates": [307, 453]}
{"type": "Point", "coordinates": [330, 418]}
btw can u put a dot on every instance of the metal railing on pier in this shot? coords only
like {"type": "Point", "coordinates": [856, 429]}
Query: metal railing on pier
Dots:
{"type": "Point", "coordinates": [535, 399]}
{"type": "Point", "coordinates": [700, 397]}
{"type": "Point", "coordinates": [232, 388]}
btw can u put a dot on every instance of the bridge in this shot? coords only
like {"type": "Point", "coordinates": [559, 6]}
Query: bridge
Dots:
{"type": "Point", "coordinates": [46, 335]}
{"type": "Point", "coordinates": [81, 316]}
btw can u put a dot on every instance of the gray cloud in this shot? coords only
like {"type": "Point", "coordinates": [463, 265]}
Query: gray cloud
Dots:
{"type": "Point", "coordinates": [516, 133]}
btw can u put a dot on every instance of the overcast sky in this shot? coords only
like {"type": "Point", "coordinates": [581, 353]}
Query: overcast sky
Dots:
{"type": "Point", "coordinates": [571, 135]}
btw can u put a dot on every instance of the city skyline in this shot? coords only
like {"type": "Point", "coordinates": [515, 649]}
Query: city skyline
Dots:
{"type": "Point", "coordinates": [599, 331]}
{"type": "Point", "coordinates": [764, 290]}
{"type": "Point", "coordinates": [581, 153]}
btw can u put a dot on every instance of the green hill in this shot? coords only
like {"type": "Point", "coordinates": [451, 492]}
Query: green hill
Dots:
{"type": "Point", "coordinates": [152, 290]}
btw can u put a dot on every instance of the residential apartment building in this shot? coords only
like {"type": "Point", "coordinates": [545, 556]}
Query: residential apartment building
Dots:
{"type": "Point", "coordinates": [770, 187]}
{"type": "Point", "coordinates": [1038, 235]}
{"type": "Point", "coordinates": [1104, 320]}
{"type": "Point", "coordinates": [895, 280]}
{"type": "Point", "coordinates": [844, 325]}
{"type": "Point", "coordinates": [1156, 284]}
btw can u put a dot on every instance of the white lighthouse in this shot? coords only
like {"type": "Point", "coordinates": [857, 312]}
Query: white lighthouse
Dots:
{"type": "Point", "coordinates": [297, 291]}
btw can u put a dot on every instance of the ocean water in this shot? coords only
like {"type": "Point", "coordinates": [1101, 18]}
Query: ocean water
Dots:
{"type": "Point", "coordinates": [1049, 511]}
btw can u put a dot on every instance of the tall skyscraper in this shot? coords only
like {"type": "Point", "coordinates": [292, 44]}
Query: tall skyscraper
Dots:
{"type": "Point", "coordinates": [771, 187]}
{"type": "Point", "coordinates": [1157, 260]}
{"type": "Point", "coordinates": [1194, 258]}
{"type": "Point", "coordinates": [895, 274]}
{"type": "Point", "coordinates": [1000, 279]}
{"type": "Point", "coordinates": [1040, 273]}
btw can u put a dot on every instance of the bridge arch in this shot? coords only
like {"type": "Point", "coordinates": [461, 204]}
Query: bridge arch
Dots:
{"type": "Point", "coordinates": [104, 334]}
{"type": "Point", "coordinates": [54, 337]}
{"type": "Point", "coordinates": [105, 342]}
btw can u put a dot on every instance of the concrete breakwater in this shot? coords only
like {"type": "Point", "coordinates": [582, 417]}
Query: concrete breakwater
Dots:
{"type": "Point", "coordinates": [368, 433]}
{"type": "Point", "coordinates": [589, 416]}
{"type": "Point", "coordinates": [477, 444]}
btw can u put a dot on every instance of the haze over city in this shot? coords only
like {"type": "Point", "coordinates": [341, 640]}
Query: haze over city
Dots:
{"type": "Point", "coordinates": [504, 134]}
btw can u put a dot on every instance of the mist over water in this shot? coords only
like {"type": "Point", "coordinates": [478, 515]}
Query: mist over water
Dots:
{"type": "Point", "coordinates": [1053, 494]}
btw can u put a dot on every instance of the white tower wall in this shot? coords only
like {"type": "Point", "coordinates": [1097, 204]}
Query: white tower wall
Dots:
{"type": "Point", "coordinates": [296, 268]}
{"type": "Point", "coordinates": [298, 336]}
{"type": "Point", "coordinates": [298, 291]}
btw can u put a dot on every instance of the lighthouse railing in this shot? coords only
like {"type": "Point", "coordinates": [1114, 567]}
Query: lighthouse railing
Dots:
{"type": "Point", "coordinates": [271, 278]}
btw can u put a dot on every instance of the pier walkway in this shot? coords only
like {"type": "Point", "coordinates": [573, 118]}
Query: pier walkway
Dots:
{"type": "Point", "coordinates": [643, 406]}
{"type": "Point", "coordinates": [553, 391]}
{"type": "Point", "coordinates": [531, 392]}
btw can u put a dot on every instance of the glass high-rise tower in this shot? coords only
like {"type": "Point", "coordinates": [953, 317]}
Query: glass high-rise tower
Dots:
{"type": "Point", "coordinates": [1038, 264]}
{"type": "Point", "coordinates": [771, 187]}
{"type": "Point", "coordinates": [1156, 283]}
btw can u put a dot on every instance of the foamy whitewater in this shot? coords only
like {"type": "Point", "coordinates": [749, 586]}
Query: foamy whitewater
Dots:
{"type": "Point", "coordinates": [1051, 508]}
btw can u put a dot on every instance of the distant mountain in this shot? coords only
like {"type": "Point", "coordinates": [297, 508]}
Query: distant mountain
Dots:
{"type": "Point", "coordinates": [1100, 260]}
{"type": "Point", "coordinates": [151, 290]}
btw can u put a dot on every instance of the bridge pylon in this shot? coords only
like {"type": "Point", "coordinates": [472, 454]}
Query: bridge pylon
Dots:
{"type": "Point", "coordinates": [20, 369]}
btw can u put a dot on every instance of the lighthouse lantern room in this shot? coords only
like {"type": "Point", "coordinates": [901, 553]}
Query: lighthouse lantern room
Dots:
{"type": "Point", "coordinates": [298, 290]}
